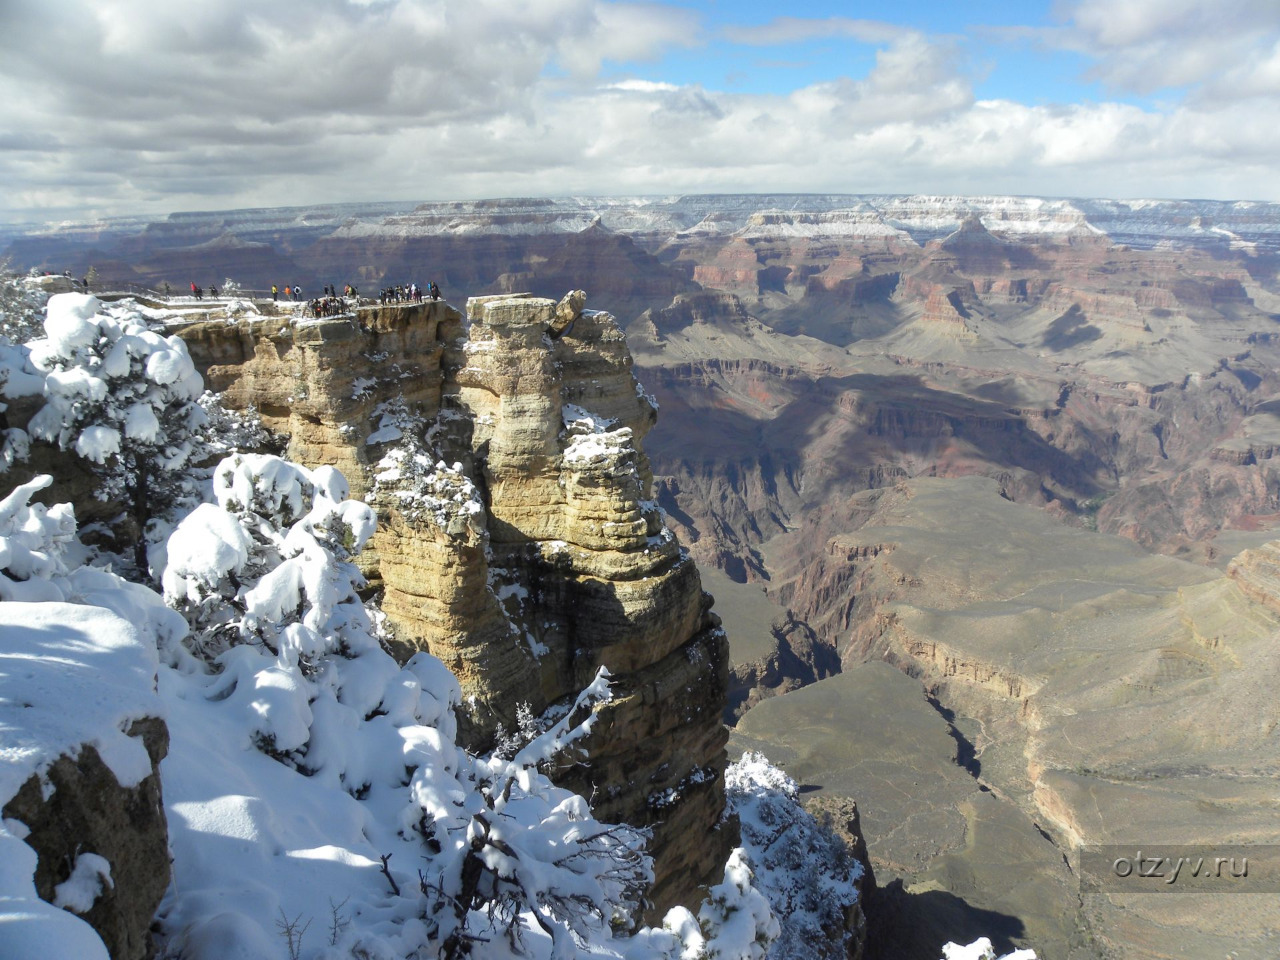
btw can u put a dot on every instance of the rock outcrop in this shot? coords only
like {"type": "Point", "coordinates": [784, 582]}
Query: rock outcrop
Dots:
{"type": "Point", "coordinates": [519, 540]}
{"type": "Point", "coordinates": [84, 829]}
{"type": "Point", "coordinates": [1257, 574]}
{"type": "Point", "coordinates": [326, 384]}
{"type": "Point", "coordinates": [88, 811]}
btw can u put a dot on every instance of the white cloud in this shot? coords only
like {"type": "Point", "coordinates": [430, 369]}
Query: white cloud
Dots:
{"type": "Point", "coordinates": [638, 32]}
{"type": "Point", "coordinates": [1123, 24]}
{"type": "Point", "coordinates": [1144, 46]}
{"type": "Point", "coordinates": [150, 106]}
{"type": "Point", "coordinates": [641, 86]}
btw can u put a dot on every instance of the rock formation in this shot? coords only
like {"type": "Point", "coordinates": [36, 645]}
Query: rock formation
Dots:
{"type": "Point", "coordinates": [80, 792]}
{"type": "Point", "coordinates": [520, 540]}
{"type": "Point", "coordinates": [88, 811]}
{"type": "Point", "coordinates": [319, 382]}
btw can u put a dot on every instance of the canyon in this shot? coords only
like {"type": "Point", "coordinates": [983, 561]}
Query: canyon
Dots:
{"type": "Point", "coordinates": [983, 489]}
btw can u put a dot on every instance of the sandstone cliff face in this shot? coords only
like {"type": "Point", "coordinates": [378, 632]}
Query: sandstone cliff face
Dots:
{"type": "Point", "coordinates": [320, 381]}
{"type": "Point", "coordinates": [519, 540]}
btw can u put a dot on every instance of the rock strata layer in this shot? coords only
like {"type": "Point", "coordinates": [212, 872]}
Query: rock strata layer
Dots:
{"type": "Point", "coordinates": [519, 540]}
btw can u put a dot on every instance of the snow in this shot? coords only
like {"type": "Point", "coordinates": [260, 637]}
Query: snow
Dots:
{"type": "Point", "coordinates": [387, 433]}
{"type": "Point", "coordinates": [394, 420]}
{"type": "Point", "coordinates": [31, 929]}
{"type": "Point", "coordinates": [576, 418]}
{"type": "Point", "coordinates": [120, 396]}
{"type": "Point", "coordinates": [360, 755]}
{"type": "Point", "coordinates": [170, 363]}
{"type": "Point", "coordinates": [902, 218]}
{"type": "Point", "coordinates": [75, 675]}
{"type": "Point", "coordinates": [141, 423]}
{"type": "Point", "coordinates": [90, 876]}
{"type": "Point", "coordinates": [68, 321]}
{"type": "Point", "coordinates": [78, 383]}
{"type": "Point", "coordinates": [590, 439]}
{"type": "Point", "coordinates": [783, 841]}
{"type": "Point", "coordinates": [17, 377]}
{"type": "Point", "coordinates": [70, 675]}
{"type": "Point", "coordinates": [735, 922]}
{"type": "Point", "coordinates": [215, 546]}
{"type": "Point", "coordinates": [423, 487]}
{"type": "Point", "coordinates": [98, 443]}
{"type": "Point", "coordinates": [858, 223]}
{"type": "Point", "coordinates": [32, 540]}
{"type": "Point", "coordinates": [981, 949]}
{"type": "Point", "coordinates": [597, 448]}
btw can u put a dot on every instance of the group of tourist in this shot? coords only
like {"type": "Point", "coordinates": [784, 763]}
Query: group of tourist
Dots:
{"type": "Point", "coordinates": [408, 293]}
{"type": "Point", "coordinates": [328, 306]}
{"type": "Point", "coordinates": [331, 302]}
{"type": "Point", "coordinates": [294, 292]}
{"type": "Point", "coordinates": [291, 292]}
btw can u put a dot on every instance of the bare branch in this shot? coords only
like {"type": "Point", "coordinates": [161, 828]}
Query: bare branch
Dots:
{"type": "Point", "coordinates": [395, 887]}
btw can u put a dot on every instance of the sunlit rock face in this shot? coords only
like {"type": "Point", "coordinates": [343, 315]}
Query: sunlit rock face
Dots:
{"type": "Point", "coordinates": [319, 382]}
{"type": "Point", "coordinates": [523, 546]}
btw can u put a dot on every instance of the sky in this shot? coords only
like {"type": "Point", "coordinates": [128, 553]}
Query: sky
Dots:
{"type": "Point", "coordinates": [118, 107]}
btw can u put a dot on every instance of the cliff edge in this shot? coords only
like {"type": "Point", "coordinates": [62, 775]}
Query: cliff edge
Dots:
{"type": "Point", "coordinates": [519, 539]}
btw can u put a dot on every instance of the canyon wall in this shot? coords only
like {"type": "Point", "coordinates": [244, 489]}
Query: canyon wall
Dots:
{"type": "Point", "coordinates": [519, 538]}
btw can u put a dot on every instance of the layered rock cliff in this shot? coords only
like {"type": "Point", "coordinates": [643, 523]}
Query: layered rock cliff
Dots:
{"type": "Point", "coordinates": [519, 539]}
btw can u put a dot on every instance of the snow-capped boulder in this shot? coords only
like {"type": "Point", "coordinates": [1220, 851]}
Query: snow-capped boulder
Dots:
{"type": "Point", "coordinates": [84, 828]}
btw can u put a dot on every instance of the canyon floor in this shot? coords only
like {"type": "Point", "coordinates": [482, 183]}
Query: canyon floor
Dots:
{"type": "Point", "coordinates": [995, 682]}
{"type": "Point", "coordinates": [1091, 696]}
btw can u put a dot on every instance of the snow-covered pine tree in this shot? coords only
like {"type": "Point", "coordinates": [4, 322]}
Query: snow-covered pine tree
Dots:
{"type": "Point", "coordinates": [268, 563]}
{"type": "Point", "coordinates": [122, 397]}
{"type": "Point", "coordinates": [33, 540]}
{"type": "Point", "coordinates": [22, 303]}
